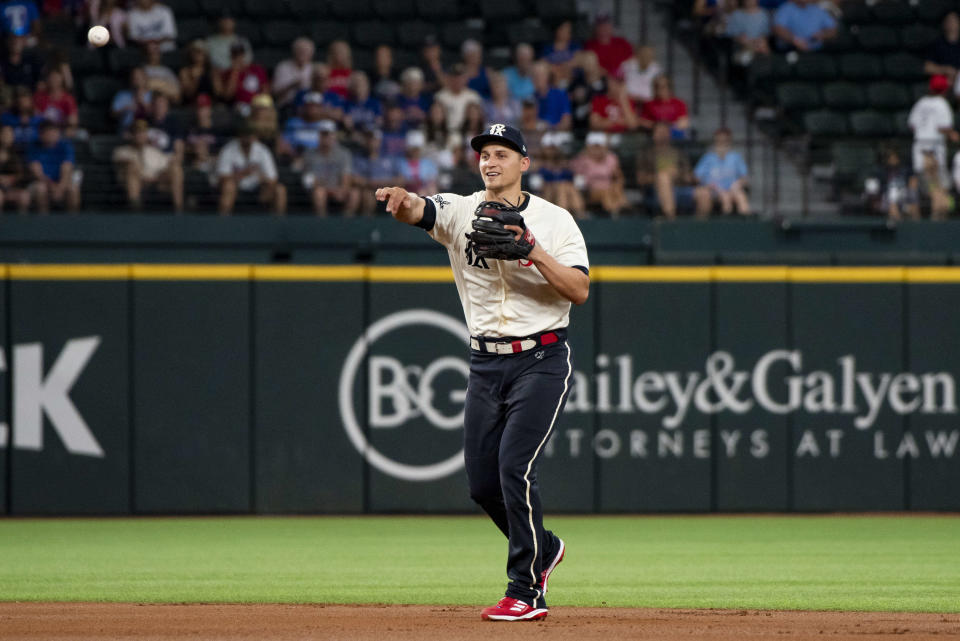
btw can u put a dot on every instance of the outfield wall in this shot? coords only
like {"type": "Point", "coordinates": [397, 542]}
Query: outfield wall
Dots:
{"type": "Point", "coordinates": [235, 388]}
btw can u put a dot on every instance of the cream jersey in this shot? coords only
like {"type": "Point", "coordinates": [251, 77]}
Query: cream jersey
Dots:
{"type": "Point", "coordinates": [507, 298]}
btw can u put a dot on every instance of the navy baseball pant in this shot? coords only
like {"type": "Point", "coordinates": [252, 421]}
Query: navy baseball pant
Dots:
{"type": "Point", "coordinates": [512, 407]}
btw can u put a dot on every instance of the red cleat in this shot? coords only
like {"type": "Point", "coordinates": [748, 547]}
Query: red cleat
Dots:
{"type": "Point", "coordinates": [510, 609]}
{"type": "Point", "coordinates": [545, 575]}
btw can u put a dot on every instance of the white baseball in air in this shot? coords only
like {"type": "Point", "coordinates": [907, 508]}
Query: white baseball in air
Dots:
{"type": "Point", "coordinates": [98, 35]}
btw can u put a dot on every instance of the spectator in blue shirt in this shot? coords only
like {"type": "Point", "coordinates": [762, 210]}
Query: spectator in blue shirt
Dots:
{"type": "Point", "coordinates": [19, 17]}
{"type": "Point", "coordinates": [302, 133]}
{"type": "Point", "coordinates": [373, 169]}
{"type": "Point", "coordinates": [553, 104]}
{"type": "Point", "coordinates": [803, 25]}
{"type": "Point", "coordinates": [361, 112]}
{"type": "Point", "coordinates": [320, 84]}
{"type": "Point", "coordinates": [749, 27]}
{"type": "Point", "coordinates": [23, 118]}
{"type": "Point", "coordinates": [722, 175]}
{"type": "Point", "coordinates": [518, 77]}
{"type": "Point", "coordinates": [472, 52]}
{"type": "Point", "coordinates": [563, 48]}
{"type": "Point", "coordinates": [414, 101]}
{"type": "Point", "coordinates": [51, 166]}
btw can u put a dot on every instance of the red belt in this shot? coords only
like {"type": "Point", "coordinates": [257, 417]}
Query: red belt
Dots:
{"type": "Point", "coordinates": [501, 346]}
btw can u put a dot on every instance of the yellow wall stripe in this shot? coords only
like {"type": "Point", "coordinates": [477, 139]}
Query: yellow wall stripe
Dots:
{"type": "Point", "coordinates": [69, 272]}
{"type": "Point", "coordinates": [420, 274]}
{"type": "Point", "coordinates": [410, 274]}
{"type": "Point", "coordinates": [310, 272]}
{"type": "Point", "coordinates": [192, 272]}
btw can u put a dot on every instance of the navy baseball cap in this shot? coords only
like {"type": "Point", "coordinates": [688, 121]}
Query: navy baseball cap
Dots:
{"type": "Point", "coordinates": [502, 135]}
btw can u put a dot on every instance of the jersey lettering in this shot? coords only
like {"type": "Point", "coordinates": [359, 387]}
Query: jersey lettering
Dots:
{"type": "Point", "coordinates": [473, 260]}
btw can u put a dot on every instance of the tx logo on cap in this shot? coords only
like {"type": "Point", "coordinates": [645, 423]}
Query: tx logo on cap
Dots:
{"type": "Point", "coordinates": [497, 130]}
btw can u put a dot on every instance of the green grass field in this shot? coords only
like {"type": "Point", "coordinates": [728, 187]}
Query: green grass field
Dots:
{"type": "Point", "coordinates": [791, 562]}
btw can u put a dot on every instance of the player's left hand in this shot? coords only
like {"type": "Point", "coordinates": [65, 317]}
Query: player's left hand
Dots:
{"type": "Point", "coordinates": [499, 232]}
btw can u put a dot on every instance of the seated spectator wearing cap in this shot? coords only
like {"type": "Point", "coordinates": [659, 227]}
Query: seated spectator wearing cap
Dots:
{"type": "Point", "coordinates": [20, 18]}
{"type": "Point", "coordinates": [384, 79]}
{"type": "Point", "coordinates": [50, 164]}
{"type": "Point", "coordinates": [394, 133]}
{"type": "Point", "coordinates": [665, 107]}
{"type": "Point", "coordinates": [562, 49]}
{"type": "Point", "coordinates": [803, 25]}
{"type": "Point", "coordinates": [472, 53]}
{"type": "Point", "coordinates": [328, 174]}
{"type": "Point", "coordinates": [557, 175]}
{"type": "Point", "coordinates": [241, 82]}
{"type": "Point", "coordinates": [598, 169]}
{"type": "Point", "coordinates": [111, 14]}
{"type": "Point", "coordinates": [722, 174]}
{"type": "Point", "coordinates": [247, 172]}
{"type": "Point", "coordinates": [150, 21]}
{"type": "Point", "coordinates": [501, 107]}
{"type": "Point", "coordinates": [141, 164]}
{"type": "Point", "coordinates": [20, 66]}
{"type": "Point", "coordinates": [665, 174]}
{"type": "Point", "coordinates": [749, 28]}
{"type": "Point", "coordinates": [553, 103]}
{"type": "Point", "coordinates": [361, 111]}
{"type": "Point", "coordinates": [613, 112]}
{"type": "Point", "coordinates": [517, 76]}
{"type": "Point", "coordinates": [611, 50]}
{"type": "Point", "coordinates": [13, 189]}
{"type": "Point", "coordinates": [202, 142]}
{"type": "Point", "coordinates": [431, 65]}
{"type": "Point", "coordinates": [320, 84]}
{"type": "Point", "coordinates": [302, 133]}
{"type": "Point", "coordinates": [638, 73]}
{"type": "Point", "coordinates": [340, 62]}
{"type": "Point", "coordinates": [943, 57]}
{"type": "Point", "coordinates": [160, 77]}
{"type": "Point", "coordinates": [412, 99]}
{"type": "Point", "coordinates": [220, 44]}
{"type": "Point", "coordinates": [894, 190]}
{"type": "Point", "coordinates": [372, 168]}
{"type": "Point", "coordinates": [165, 131]}
{"type": "Point", "coordinates": [196, 75]}
{"type": "Point", "coordinates": [419, 172]}
{"type": "Point", "coordinates": [23, 118]}
{"type": "Point", "coordinates": [264, 119]}
{"type": "Point", "coordinates": [455, 96]}
{"type": "Point", "coordinates": [294, 73]}
{"type": "Point", "coordinates": [931, 119]}
{"type": "Point", "coordinates": [55, 104]}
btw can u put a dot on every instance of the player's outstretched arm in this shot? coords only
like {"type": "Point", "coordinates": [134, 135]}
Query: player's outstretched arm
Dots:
{"type": "Point", "coordinates": [403, 205]}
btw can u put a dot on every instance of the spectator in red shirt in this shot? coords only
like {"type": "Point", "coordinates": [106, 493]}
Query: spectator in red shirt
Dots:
{"type": "Point", "coordinates": [241, 82]}
{"type": "Point", "coordinates": [340, 60]}
{"type": "Point", "coordinates": [665, 107]}
{"type": "Point", "coordinates": [54, 103]}
{"type": "Point", "coordinates": [613, 112]}
{"type": "Point", "coordinates": [611, 50]}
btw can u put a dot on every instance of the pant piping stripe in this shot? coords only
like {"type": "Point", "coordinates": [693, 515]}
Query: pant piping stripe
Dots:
{"type": "Point", "coordinates": [526, 478]}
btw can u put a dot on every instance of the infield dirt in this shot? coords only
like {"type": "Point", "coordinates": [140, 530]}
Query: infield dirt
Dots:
{"type": "Point", "coordinates": [266, 622]}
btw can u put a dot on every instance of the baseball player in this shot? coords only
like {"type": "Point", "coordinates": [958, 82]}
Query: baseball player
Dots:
{"type": "Point", "coordinates": [518, 262]}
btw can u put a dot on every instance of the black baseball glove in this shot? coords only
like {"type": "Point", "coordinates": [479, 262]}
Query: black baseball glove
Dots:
{"type": "Point", "coordinates": [491, 239]}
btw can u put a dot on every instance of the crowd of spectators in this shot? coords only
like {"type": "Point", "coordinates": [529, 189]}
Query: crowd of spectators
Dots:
{"type": "Point", "coordinates": [315, 126]}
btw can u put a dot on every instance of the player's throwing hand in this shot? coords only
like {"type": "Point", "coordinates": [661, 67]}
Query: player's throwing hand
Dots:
{"type": "Point", "coordinates": [401, 204]}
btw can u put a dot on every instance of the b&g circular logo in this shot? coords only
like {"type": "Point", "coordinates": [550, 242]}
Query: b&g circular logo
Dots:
{"type": "Point", "coordinates": [399, 393]}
